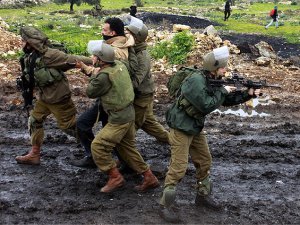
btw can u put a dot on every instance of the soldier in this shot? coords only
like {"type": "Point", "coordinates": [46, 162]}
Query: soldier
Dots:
{"type": "Point", "coordinates": [114, 35]}
{"type": "Point", "coordinates": [186, 116]}
{"type": "Point", "coordinates": [143, 84]}
{"type": "Point", "coordinates": [47, 66]}
{"type": "Point", "coordinates": [113, 86]}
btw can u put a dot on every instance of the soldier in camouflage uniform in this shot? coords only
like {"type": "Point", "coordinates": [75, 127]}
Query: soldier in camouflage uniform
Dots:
{"type": "Point", "coordinates": [196, 98]}
{"type": "Point", "coordinates": [143, 84]}
{"type": "Point", "coordinates": [110, 82]}
{"type": "Point", "coordinates": [47, 66]}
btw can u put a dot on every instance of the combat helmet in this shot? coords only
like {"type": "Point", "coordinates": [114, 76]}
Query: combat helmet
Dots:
{"type": "Point", "coordinates": [137, 28]}
{"type": "Point", "coordinates": [102, 50]}
{"type": "Point", "coordinates": [216, 59]}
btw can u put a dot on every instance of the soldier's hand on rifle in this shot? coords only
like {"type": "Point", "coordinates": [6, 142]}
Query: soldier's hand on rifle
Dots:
{"type": "Point", "coordinates": [254, 92]}
{"type": "Point", "coordinates": [230, 89]}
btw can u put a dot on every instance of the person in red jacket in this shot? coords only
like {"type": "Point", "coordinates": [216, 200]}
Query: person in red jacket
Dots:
{"type": "Point", "coordinates": [275, 17]}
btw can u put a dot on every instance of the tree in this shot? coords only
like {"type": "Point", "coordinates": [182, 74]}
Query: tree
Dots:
{"type": "Point", "coordinates": [78, 2]}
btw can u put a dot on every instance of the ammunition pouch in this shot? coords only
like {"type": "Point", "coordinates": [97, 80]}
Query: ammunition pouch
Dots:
{"type": "Point", "coordinates": [46, 76]}
{"type": "Point", "coordinates": [192, 111]}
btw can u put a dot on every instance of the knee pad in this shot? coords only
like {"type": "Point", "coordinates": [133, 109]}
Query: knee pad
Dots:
{"type": "Point", "coordinates": [34, 124]}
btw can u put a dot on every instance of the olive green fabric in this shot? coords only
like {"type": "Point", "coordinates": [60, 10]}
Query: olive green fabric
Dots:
{"type": "Point", "coordinates": [142, 79]}
{"type": "Point", "coordinates": [145, 120]}
{"type": "Point", "coordinates": [204, 187]}
{"type": "Point", "coordinates": [196, 99]}
{"type": "Point", "coordinates": [64, 113]}
{"type": "Point", "coordinates": [123, 137]}
{"type": "Point", "coordinates": [118, 96]}
{"type": "Point", "coordinates": [168, 196]}
{"type": "Point", "coordinates": [181, 146]}
{"type": "Point", "coordinates": [36, 38]}
{"type": "Point", "coordinates": [55, 88]}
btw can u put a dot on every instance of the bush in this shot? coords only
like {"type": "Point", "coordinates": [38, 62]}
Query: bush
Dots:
{"type": "Point", "coordinates": [176, 50]}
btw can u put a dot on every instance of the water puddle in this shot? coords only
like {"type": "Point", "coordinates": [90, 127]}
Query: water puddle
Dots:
{"type": "Point", "coordinates": [248, 109]}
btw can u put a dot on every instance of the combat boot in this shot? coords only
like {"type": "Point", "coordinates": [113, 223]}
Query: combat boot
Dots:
{"type": "Point", "coordinates": [150, 181]}
{"type": "Point", "coordinates": [167, 205]}
{"type": "Point", "coordinates": [32, 158]}
{"type": "Point", "coordinates": [204, 197]}
{"type": "Point", "coordinates": [115, 181]}
{"type": "Point", "coordinates": [86, 161]}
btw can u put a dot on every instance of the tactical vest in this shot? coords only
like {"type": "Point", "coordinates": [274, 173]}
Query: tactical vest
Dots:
{"type": "Point", "coordinates": [121, 93]}
{"type": "Point", "coordinates": [184, 104]}
{"type": "Point", "coordinates": [45, 76]}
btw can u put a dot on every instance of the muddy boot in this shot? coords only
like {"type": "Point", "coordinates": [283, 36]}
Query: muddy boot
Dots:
{"type": "Point", "coordinates": [32, 158]}
{"type": "Point", "coordinates": [86, 162]}
{"type": "Point", "coordinates": [115, 181]}
{"type": "Point", "coordinates": [150, 181]}
{"type": "Point", "coordinates": [204, 197]}
{"type": "Point", "coordinates": [167, 203]}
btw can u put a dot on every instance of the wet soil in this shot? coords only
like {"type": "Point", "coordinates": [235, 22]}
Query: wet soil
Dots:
{"type": "Point", "coordinates": [256, 170]}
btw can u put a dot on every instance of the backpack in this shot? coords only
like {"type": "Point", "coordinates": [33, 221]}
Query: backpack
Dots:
{"type": "Point", "coordinates": [272, 12]}
{"type": "Point", "coordinates": [177, 79]}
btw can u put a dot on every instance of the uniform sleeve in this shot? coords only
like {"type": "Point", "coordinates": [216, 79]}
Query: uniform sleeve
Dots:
{"type": "Point", "coordinates": [98, 85]}
{"type": "Point", "coordinates": [59, 60]}
{"type": "Point", "coordinates": [196, 92]}
{"type": "Point", "coordinates": [236, 98]}
{"type": "Point", "coordinates": [142, 69]}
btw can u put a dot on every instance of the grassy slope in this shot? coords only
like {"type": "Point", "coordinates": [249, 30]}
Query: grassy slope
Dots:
{"type": "Point", "coordinates": [66, 27]}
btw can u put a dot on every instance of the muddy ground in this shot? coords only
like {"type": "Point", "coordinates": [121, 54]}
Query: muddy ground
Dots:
{"type": "Point", "coordinates": [256, 169]}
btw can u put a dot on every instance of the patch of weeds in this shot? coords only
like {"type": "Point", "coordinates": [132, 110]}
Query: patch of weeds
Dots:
{"type": "Point", "coordinates": [176, 50]}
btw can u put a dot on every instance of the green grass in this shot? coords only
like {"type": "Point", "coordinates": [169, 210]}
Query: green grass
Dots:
{"type": "Point", "coordinates": [75, 30]}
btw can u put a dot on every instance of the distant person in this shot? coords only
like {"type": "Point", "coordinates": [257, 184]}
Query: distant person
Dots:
{"type": "Point", "coordinates": [275, 17]}
{"type": "Point", "coordinates": [227, 10]}
{"type": "Point", "coordinates": [133, 10]}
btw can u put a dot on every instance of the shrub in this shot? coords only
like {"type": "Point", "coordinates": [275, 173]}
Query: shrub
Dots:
{"type": "Point", "coordinates": [176, 50]}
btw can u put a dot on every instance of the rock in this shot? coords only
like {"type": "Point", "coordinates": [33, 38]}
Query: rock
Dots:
{"type": "Point", "coordinates": [180, 27]}
{"type": "Point", "coordinates": [266, 50]}
{"type": "Point", "coordinates": [210, 30]}
{"type": "Point", "coordinates": [263, 61]}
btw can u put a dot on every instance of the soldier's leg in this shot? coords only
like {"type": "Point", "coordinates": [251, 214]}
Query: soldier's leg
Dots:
{"type": "Point", "coordinates": [36, 130]}
{"type": "Point", "coordinates": [65, 114]}
{"type": "Point", "coordinates": [152, 127]}
{"type": "Point", "coordinates": [202, 160]}
{"type": "Point", "coordinates": [85, 124]}
{"type": "Point", "coordinates": [133, 158]}
{"type": "Point", "coordinates": [102, 147]}
{"type": "Point", "coordinates": [180, 143]}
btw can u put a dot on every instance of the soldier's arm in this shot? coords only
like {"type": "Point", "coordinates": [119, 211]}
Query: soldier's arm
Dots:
{"type": "Point", "coordinates": [59, 60]}
{"type": "Point", "coordinates": [98, 85]}
{"type": "Point", "coordinates": [197, 93]}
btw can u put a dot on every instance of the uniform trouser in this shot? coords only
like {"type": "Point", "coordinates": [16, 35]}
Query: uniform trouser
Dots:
{"type": "Point", "coordinates": [121, 136]}
{"type": "Point", "coordinates": [226, 14]}
{"type": "Point", "coordinates": [273, 20]}
{"type": "Point", "coordinates": [64, 113]}
{"type": "Point", "coordinates": [85, 124]}
{"type": "Point", "coordinates": [181, 146]}
{"type": "Point", "coordinates": [145, 120]}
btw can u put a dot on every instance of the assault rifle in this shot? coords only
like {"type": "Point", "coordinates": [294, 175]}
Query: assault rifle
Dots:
{"type": "Point", "coordinates": [240, 82]}
{"type": "Point", "coordinates": [25, 84]}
